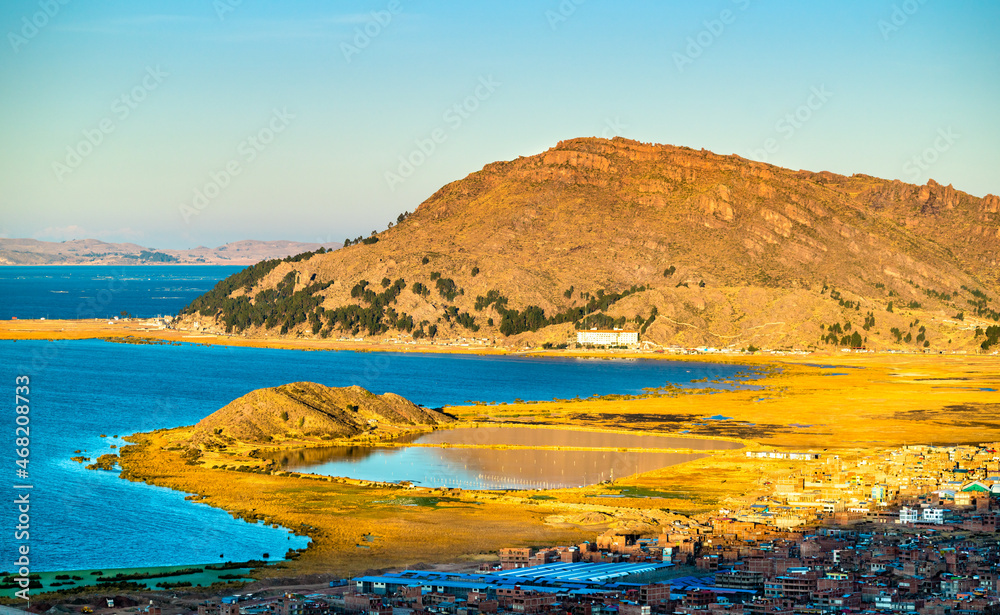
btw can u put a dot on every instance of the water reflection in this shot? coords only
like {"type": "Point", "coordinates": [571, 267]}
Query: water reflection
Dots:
{"type": "Point", "coordinates": [476, 468]}
{"type": "Point", "coordinates": [531, 436]}
{"type": "Point", "coordinates": [490, 468]}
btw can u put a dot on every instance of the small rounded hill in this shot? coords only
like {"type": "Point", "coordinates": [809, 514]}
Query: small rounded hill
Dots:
{"type": "Point", "coordinates": [303, 411]}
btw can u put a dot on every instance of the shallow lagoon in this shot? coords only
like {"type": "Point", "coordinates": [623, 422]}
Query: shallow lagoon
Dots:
{"type": "Point", "coordinates": [501, 468]}
{"type": "Point", "coordinates": [545, 436]}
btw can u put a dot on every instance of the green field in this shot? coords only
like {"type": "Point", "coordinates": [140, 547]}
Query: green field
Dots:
{"type": "Point", "coordinates": [68, 580]}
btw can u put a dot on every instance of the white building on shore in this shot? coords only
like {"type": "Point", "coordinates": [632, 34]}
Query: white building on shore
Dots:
{"type": "Point", "coordinates": [607, 337]}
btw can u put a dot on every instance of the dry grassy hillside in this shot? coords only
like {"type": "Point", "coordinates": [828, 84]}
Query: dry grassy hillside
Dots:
{"type": "Point", "coordinates": [304, 411]}
{"type": "Point", "coordinates": [706, 249]}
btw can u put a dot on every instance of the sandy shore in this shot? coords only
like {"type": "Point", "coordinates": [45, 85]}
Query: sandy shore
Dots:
{"type": "Point", "coordinates": [150, 329]}
{"type": "Point", "coordinates": [100, 328]}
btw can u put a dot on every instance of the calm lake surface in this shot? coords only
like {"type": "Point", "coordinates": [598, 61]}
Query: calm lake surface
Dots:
{"type": "Point", "coordinates": [490, 468]}
{"type": "Point", "coordinates": [103, 291]}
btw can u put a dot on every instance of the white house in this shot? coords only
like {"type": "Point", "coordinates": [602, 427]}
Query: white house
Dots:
{"type": "Point", "coordinates": [909, 515]}
{"type": "Point", "coordinates": [607, 337]}
{"type": "Point", "coordinates": [932, 515]}
{"type": "Point", "coordinates": [782, 455]}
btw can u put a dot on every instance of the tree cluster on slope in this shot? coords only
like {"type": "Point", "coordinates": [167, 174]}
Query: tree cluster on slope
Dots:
{"type": "Point", "coordinates": [533, 318]}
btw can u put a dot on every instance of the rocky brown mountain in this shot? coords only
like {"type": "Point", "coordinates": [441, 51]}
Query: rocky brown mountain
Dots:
{"type": "Point", "coordinates": [690, 247]}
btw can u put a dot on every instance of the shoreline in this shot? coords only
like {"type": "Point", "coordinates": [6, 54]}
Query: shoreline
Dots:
{"type": "Point", "coordinates": [98, 328]}
{"type": "Point", "coordinates": [151, 329]}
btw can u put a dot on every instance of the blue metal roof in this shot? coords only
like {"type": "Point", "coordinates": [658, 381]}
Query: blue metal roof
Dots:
{"type": "Point", "coordinates": [580, 572]}
{"type": "Point", "coordinates": [549, 578]}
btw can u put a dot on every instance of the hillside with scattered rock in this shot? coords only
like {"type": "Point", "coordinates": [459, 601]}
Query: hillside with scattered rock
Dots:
{"type": "Point", "coordinates": [688, 247]}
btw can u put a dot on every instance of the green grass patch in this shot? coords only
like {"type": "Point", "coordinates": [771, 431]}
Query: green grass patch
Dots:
{"type": "Point", "coordinates": [644, 492]}
{"type": "Point", "coordinates": [424, 501]}
{"type": "Point", "coordinates": [76, 581]}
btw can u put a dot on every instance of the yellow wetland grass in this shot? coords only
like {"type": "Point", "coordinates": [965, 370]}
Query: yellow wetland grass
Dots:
{"type": "Point", "coordinates": [853, 401]}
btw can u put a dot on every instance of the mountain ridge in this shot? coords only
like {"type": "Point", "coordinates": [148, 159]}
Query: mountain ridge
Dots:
{"type": "Point", "coordinates": [96, 252]}
{"type": "Point", "coordinates": [695, 248]}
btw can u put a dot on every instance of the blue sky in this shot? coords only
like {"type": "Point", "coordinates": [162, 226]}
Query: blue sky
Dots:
{"type": "Point", "coordinates": [198, 122]}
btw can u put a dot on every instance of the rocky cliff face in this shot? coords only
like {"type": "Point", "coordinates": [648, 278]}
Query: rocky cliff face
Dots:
{"type": "Point", "coordinates": [705, 249]}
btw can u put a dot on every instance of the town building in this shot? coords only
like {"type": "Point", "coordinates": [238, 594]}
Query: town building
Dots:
{"type": "Point", "coordinates": [607, 337]}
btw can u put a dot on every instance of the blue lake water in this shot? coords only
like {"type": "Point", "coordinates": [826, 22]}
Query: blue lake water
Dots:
{"type": "Point", "coordinates": [102, 291]}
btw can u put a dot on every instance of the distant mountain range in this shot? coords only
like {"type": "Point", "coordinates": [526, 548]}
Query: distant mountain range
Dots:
{"type": "Point", "coordinates": [689, 247]}
{"type": "Point", "coordinates": [95, 252]}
